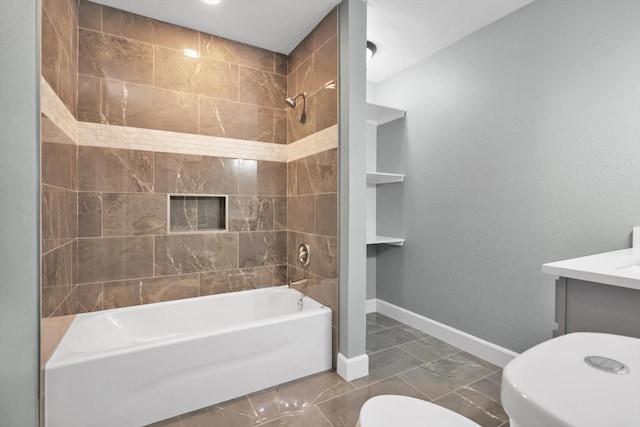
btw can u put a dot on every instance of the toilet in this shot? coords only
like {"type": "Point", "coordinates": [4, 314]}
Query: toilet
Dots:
{"type": "Point", "coordinates": [581, 379]}
{"type": "Point", "coordinates": [404, 411]}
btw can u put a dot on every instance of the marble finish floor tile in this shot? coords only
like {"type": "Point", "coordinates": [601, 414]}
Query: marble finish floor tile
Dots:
{"type": "Point", "coordinates": [295, 397]}
{"type": "Point", "coordinates": [402, 361]}
{"type": "Point", "coordinates": [385, 364]}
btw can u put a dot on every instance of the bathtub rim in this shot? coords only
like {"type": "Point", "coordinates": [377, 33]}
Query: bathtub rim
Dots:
{"type": "Point", "coordinates": [71, 357]}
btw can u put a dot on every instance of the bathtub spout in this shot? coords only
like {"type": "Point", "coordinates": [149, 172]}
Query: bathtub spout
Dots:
{"type": "Point", "coordinates": [297, 282]}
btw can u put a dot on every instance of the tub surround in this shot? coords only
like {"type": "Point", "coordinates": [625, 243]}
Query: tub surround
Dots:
{"type": "Point", "coordinates": [195, 345]}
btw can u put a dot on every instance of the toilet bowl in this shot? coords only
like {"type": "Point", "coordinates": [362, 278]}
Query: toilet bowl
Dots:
{"type": "Point", "coordinates": [576, 380]}
{"type": "Point", "coordinates": [403, 411]}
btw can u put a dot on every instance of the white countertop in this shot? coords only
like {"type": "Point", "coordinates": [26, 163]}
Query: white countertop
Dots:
{"type": "Point", "coordinates": [617, 268]}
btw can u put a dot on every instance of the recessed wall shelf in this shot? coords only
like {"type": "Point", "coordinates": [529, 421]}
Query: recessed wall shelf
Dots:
{"type": "Point", "coordinates": [193, 213]}
{"type": "Point", "coordinates": [379, 240]}
{"type": "Point", "coordinates": [384, 178]}
{"type": "Point", "coordinates": [378, 115]}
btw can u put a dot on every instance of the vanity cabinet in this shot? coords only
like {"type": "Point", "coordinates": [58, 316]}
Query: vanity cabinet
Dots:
{"type": "Point", "coordinates": [378, 115]}
{"type": "Point", "coordinates": [583, 306]}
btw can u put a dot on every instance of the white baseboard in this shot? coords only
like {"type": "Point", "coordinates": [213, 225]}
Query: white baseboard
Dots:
{"type": "Point", "coordinates": [486, 350]}
{"type": "Point", "coordinates": [351, 369]}
{"type": "Point", "coordinates": [370, 306]}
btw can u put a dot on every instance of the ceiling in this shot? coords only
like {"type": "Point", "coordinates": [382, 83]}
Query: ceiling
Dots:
{"type": "Point", "coordinates": [405, 31]}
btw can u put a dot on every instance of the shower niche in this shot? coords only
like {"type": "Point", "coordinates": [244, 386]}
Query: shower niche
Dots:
{"type": "Point", "coordinates": [192, 213]}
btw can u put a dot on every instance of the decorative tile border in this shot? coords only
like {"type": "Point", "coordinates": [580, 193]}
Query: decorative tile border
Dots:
{"type": "Point", "coordinates": [324, 140]}
{"type": "Point", "coordinates": [56, 111]}
{"type": "Point", "coordinates": [111, 136]}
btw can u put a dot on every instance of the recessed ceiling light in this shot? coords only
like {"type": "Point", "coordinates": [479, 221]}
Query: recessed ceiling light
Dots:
{"type": "Point", "coordinates": [191, 53]}
{"type": "Point", "coordinates": [211, 1]}
{"type": "Point", "coordinates": [371, 50]}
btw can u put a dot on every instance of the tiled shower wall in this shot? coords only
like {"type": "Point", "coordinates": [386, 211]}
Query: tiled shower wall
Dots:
{"type": "Point", "coordinates": [124, 254]}
{"type": "Point", "coordinates": [59, 219]}
{"type": "Point", "coordinates": [312, 182]}
{"type": "Point", "coordinates": [133, 72]}
{"type": "Point", "coordinates": [60, 49]}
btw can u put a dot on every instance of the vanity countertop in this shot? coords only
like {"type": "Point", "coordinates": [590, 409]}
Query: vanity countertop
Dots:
{"type": "Point", "coordinates": [617, 268]}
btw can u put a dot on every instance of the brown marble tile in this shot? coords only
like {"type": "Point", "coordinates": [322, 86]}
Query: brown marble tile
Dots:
{"type": "Point", "coordinates": [301, 214]}
{"type": "Point", "coordinates": [63, 15]}
{"type": "Point", "coordinates": [327, 214]}
{"type": "Point", "coordinates": [53, 297]}
{"type": "Point", "coordinates": [151, 108]}
{"type": "Point", "coordinates": [301, 52]}
{"type": "Point", "coordinates": [325, 106]}
{"type": "Point", "coordinates": [90, 99]}
{"type": "Point", "coordinates": [439, 347]}
{"type": "Point", "coordinates": [294, 397]}
{"type": "Point", "coordinates": [310, 416]}
{"type": "Point", "coordinates": [280, 275]}
{"type": "Point", "coordinates": [258, 248]}
{"type": "Point", "coordinates": [262, 88]}
{"type": "Point", "coordinates": [110, 57]}
{"type": "Point", "coordinates": [89, 214]}
{"type": "Point", "coordinates": [183, 213]}
{"type": "Point", "coordinates": [250, 213]}
{"type": "Point", "coordinates": [180, 254]}
{"type": "Point", "coordinates": [59, 212]}
{"type": "Point", "coordinates": [114, 258]}
{"type": "Point", "coordinates": [234, 52]}
{"type": "Point", "coordinates": [280, 213]}
{"type": "Point", "coordinates": [183, 173]}
{"type": "Point", "coordinates": [281, 63]}
{"type": "Point", "coordinates": [420, 351]}
{"type": "Point", "coordinates": [58, 164]}
{"type": "Point", "coordinates": [316, 174]}
{"type": "Point", "coordinates": [280, 118]}
{"type": "Point", "coordinates": [385, 364]}
{"type": "Point", "coordinates": [125, 214]}
{"type": "Point", "coordinates": [58, 265]}
{"type": "Point", "coordinates": [149, 290]}
{"type": "Point", "coordinates": [470, 358]}
{"type": "Point", "coordinates": [239, 279]}
{"type": "Point", "coordinates": [377, 321]}
{"type": "Point", "coordinates": [325, 256]}
{"type": "Point", "coordinates": [343, 411]}
{"type": "Point", "coordinates": [201, 76]}
{"type": "Point", "coordinates": [51, 333]}
{"type": "Point", "coordinates": [258, 177]}
{"type": "Point", "coordinates": [114, 170]}
{"type": "Point", "coordinates": [233, 413]}
{"type": "Point", "coordinates": [475, 407]}
{"type": "Point", "coordinates": [211, 213]}
{"type": "Point", "coordinates": [90, 15]}
{"type": "Point", "coordinates": [326, 28]}
{"type": "Point", "coordinates": [89, 298]}
{"type": "Point", "coordinates": [385, 339]}
{"type": "Point", "coordinates": [487, 388]}
{"type": "Point", "coordinates": [443, 376]}
{"type": "Point", "coordinates": [305, 77]}
{"type": "Point", "coordinates": [137, 27]}
{"type": "Point", "coordinates": [68, 305]}
{"type": "Point", "coordinates": [325, 65]}
{"type": "Point", "coordinates": [233, 120]}
{"type": "Point", "coordinates": [58, 66]}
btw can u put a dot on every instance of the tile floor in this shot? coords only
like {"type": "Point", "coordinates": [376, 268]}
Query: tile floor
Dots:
{"type": "Point", "coordinates": [402, 361]}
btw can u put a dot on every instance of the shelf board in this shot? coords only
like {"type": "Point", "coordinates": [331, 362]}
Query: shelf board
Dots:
{"type": "Point", "coordinates": [384, 178]}
{"type": "Point", "coordinates": [379, 115]}
{"type": "Point", "coordinates": [379, 240]}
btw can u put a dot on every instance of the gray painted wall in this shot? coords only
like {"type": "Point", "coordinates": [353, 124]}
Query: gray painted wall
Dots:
{"type": "Point", "coordinates": [521, 146]}
{"type": "Point", "coordinates": [19, 207]}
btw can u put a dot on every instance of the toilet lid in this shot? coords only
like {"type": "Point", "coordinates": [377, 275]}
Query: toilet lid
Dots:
{"type": "Point", "coordinates": [403, 411]}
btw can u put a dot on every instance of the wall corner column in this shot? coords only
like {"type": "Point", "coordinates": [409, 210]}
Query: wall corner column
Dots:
{"type": "Point", "coordinates": [352, 30]}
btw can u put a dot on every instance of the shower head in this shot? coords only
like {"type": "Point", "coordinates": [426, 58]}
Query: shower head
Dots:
{"type": "Point", "coordinates": [291, 102]}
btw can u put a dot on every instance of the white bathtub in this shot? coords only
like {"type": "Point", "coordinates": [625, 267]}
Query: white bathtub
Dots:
{"type": "Point", "coordinates": [137, 365]}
